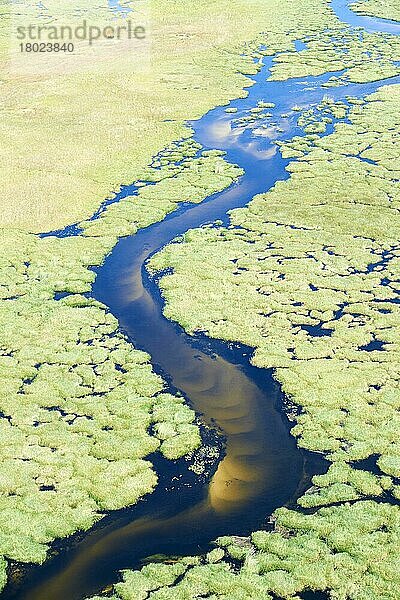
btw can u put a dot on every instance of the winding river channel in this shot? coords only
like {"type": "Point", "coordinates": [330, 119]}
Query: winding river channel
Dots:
{"type": "Point", "coordinates": [261, 467]}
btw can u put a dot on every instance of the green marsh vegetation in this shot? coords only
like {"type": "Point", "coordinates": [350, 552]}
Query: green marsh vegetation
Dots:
{"type": "Point", "coordinates": [362, 56]}
{"type": "Point", "coordinates": [190, 180]}
{"type": "Point", "coordinates": [385, 9]}
{"type": "Point", "coordinates": [313, 121]}
{"type": "Point", "coordinates": [307, 275]}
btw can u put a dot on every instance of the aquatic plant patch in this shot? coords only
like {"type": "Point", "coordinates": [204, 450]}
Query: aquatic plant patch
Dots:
{"type": "Point", "coordinates": [76, 403]}
{"type": "Point", "coordinates": [177, 177]}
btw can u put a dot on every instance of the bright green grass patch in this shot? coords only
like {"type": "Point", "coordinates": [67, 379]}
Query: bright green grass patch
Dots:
{"type": "Point", "coordinates": [192, 180]}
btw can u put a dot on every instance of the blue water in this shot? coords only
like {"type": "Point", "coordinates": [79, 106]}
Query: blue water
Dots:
{"type": "Point", "coordinates": [255, 149]}
{"type": "Point", "coordinates": [118, 9]}
{"type": "Point", "coordinates": [299, 45]}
